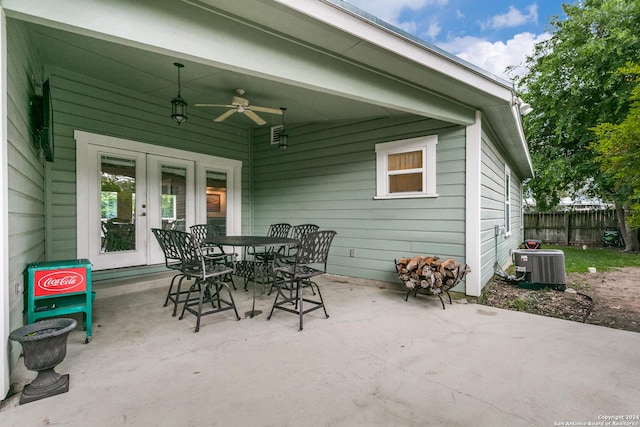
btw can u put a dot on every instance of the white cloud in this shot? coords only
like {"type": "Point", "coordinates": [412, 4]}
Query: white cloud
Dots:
{"type": "Point", "coordinates": [433, 29]}
{"type": "Point", "coordinates": [513, 18]}
{"type": "Point", "coordinates": [410, 27]}
{"type": "Point", "coordinates": [390, 10]}
{"type": "Point", "coordinates": [495, 57]}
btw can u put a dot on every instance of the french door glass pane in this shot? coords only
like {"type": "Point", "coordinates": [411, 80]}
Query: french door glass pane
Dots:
{"type": "Point", "coordinates": [217, 200]}
{"type": "Point", "coordinates": [117, 203]}
{"type": "Point", "coordinates": [173, 197]}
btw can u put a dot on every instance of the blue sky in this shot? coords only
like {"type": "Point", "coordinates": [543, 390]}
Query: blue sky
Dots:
{"type": "Point", "coordinates": [489, 34]}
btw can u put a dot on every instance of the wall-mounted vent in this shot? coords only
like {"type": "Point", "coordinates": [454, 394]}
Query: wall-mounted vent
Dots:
{"type": "Point", "coordinates": [276, 131]}
{"type": "Point", "coordinates": [544, 267]}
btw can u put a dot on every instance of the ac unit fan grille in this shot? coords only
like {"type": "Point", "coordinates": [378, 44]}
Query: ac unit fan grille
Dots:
{"type": "Point", "coordinates": [543, 267]}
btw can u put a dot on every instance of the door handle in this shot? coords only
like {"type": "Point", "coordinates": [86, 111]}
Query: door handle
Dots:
{"type": "Point", "coordinates": [143, 214]}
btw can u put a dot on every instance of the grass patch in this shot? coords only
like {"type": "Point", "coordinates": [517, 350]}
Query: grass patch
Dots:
{"type": "Point", "coordinates": [520, 304]}
{"type": "Point", "coordinates": [578, 260]}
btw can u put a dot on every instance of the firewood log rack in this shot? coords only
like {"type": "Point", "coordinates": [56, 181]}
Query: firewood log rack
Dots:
{"type": "Point", "coordinates": [437, 291]}
{"type": "Point", "coordinates": [428, 291]}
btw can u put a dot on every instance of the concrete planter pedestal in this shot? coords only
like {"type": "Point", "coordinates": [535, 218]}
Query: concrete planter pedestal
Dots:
{"type": "Point", "coordinates": [44, 346]}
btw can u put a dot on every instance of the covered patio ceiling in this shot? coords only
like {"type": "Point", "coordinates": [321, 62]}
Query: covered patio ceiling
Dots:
{"type": "Point", "coordinates": [154, 75]}
{"type": "Point", "coordinates": [281, 57]}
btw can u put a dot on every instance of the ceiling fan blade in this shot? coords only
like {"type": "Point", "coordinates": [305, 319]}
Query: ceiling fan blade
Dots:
{"type": "Point", "coordinates": [266, 110]}
{"type": "Point", "coordinates": [256, 118]}
{"type": "Point", "coordinates": [213, 105]}
{"type": "Point", "coordinates": [222, 117]}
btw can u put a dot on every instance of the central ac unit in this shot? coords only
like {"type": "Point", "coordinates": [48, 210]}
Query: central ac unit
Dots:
{"type": "Point", "coordinates": [540, 268]}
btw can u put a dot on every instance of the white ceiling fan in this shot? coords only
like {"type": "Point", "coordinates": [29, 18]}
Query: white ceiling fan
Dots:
{"type": "Point", "coordinates": [241, 105]}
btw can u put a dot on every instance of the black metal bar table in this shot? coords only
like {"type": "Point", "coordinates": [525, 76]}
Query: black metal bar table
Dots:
{"type": "Point", "coordinates": [251, 242]}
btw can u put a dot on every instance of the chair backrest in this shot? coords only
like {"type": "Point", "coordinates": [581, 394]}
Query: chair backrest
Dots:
{"type": "Point", "coordinates": [314, 247]}
{"type": "Point", "coordinates": [188, 245]}
{"type": "Point", "coordinates": [190, 252]}
{"type": "Point", "coordinates": [202, 231]}
{"type": "Point", "coordinates": [279, 230]}
{"type": "Point", "coordinates": [178, 224]}
{"type": "Point", "coordinates": [172, 255]}
{"type": "Point", "coordinates": [194, 263]}
{"type": "Point", "coordinates": [298, 231]}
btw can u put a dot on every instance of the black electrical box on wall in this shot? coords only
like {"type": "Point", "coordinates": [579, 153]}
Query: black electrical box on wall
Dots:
{"type": "Point", "coordinates": [42, 121]}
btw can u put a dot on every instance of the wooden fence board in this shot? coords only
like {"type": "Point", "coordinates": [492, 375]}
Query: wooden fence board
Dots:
{"type": "Point", "coordinates": [569, 228]}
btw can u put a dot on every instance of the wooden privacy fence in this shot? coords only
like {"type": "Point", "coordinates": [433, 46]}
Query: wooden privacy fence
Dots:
{"type": "Point", "coordinates": [569, 228]}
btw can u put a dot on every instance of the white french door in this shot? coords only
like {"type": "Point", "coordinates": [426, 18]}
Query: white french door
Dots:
{"type": "Point", "coordinates": [171, 197]}
{"type": "Point", "coordinates": [117, 207]}
{"type": "Point", "coordinates": [124, 193]}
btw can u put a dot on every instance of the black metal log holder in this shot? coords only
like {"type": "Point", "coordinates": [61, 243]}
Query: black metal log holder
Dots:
{"type": "Point", "coordinates": [428, 292]}
{"type": "Point", "coordinates": [437, 291]}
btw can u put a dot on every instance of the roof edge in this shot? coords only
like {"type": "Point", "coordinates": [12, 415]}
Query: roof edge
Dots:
{"type": "Point", "coordinates": [390, 28]}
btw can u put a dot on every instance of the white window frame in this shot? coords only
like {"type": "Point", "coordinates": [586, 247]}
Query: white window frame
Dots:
{"type": "Point", "coordinates": [507, 200]}
{"type": "Point", "coordinates": [426, 144]}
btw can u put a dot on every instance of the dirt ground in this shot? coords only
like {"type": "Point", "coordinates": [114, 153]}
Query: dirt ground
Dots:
{"type": "Point", "coordinates": [610, 299]}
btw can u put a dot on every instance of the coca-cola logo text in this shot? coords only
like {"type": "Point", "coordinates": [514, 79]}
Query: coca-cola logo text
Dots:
{"type": "Point", "coordinates": [60, 281]}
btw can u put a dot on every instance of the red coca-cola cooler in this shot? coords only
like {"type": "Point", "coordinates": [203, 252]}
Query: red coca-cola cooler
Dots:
{"type": "Point", "coordinates": [57, 288]}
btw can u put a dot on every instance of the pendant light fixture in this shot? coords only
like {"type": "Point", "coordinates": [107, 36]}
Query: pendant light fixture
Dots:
{"type": "Point", "coordinates": [178, 105]}
{"type": "Point", "coordinates": [284, 138]}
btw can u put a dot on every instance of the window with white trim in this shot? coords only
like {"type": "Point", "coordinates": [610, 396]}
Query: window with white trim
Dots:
{"type": "Point", "coordinates": [507, 199]}
{"type": "Point", "coordinates": [406, 168]}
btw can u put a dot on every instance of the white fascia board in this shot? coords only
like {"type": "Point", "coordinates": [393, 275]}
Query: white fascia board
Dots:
{"type": "Point", "coordinates": [331, 14]}
{"type": "Point", "coordinates": [4, 213]}
{"type": "Point", "coordinates": [515, 110]}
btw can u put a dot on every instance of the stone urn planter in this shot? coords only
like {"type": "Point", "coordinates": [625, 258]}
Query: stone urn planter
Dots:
{"type": "Point", "coordinates": [44, 346]}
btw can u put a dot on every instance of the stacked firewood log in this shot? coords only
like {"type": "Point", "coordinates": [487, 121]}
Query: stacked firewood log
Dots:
{"type": "Point", "coordinates": [430, 273]}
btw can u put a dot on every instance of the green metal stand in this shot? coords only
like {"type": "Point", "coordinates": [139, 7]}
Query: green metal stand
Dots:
{"type": "Point", "coordinates": [59, 288]}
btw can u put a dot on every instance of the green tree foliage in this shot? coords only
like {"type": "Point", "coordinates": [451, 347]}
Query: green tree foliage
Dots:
{"type": "Point", "coordinates": [117, 191]}
{"type": "Point", "coordinates": [618, 148]}
{"type": "Point", "coordinates": [573, 86]}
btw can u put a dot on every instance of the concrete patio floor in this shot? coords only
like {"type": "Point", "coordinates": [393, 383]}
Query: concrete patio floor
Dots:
{"type": "Point", "coordinates": [377, 361]}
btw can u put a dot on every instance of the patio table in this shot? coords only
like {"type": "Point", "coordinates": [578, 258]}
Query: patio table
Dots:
{"type": "Point", "coordinates": [251, 242]}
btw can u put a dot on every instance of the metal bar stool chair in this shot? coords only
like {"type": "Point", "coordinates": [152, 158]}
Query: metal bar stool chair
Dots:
{"type": "Point", "coordinates": [297, 232]}
{"type": "Point", "coordinates": [207, 275]}
{"type": "Point", "coordinates": [215, 253]}
{"type": "Point", "coordinates": [275, 230]}
{"type": "Point", "coordinates": [173, 261]}
{"type": "Point", "coordinates": [265, 259]}
{"type": "Point", "coordinates": [313, 250]}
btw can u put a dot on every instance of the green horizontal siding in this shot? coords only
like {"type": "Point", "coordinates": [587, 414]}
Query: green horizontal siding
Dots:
{"type": "Point", "coordinates": [25, 173]}
{"type": "Point", "coordinates": [328, 177]}
{"type": "Point", "coordinates": [492, 205]}
{"type": "Point", "coordinates": [82, 103]}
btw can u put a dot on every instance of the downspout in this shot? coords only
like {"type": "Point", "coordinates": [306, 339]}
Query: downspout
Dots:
{"type": "Point", "coordinates": [473, 213]}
